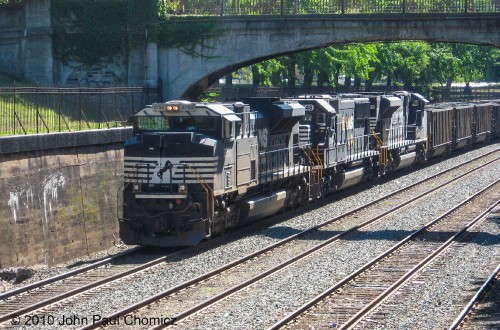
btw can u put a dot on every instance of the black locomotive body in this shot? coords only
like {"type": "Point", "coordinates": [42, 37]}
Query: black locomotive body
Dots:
{"type": "Point", "coordinates": [194, 170]}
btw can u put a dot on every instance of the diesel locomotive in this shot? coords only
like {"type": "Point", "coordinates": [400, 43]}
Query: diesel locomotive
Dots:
{"type": "Point", "coordinates": [194, 170]}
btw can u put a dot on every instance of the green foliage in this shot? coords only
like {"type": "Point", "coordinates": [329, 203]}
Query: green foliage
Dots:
{"type": "Point", "coordinates": [209, 97]}
{"type": "Point", "coordinates": [88, 30]}
{"type": "Point", "coordinates": [443, 64]}
{"type": "Point", "coordinates": [270, 72]}
{"type": "Point", "coordinates": [407, 64]}
{"type": "Point", "coordinates": [10, 2]}
{"type": "Point", "coordinates": [411, 59]}
{"type": "Point", "coordinates": [186, 33]}
{"type": "Point", "coordinates": [472, 61]}
{"type": "Point", "coordinates": [464, 63]}
{"type": "Point", "coordinates": [492, 64]}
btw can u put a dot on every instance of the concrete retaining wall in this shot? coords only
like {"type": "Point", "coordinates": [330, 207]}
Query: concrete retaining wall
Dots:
{"type": "Point", "coordinates": [59, 195]}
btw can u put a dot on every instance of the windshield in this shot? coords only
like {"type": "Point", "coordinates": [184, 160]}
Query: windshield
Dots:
{"type": "Point", "coordinates": [187, 123]}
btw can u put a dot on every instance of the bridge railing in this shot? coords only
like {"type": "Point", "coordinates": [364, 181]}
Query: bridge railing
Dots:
{"type": "Point", "coordinates": [311, 7]}
{"type": "Point", "coordinates": [28, 110]}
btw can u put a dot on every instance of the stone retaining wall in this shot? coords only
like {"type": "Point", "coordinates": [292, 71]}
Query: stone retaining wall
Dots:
{"type": "Point", "coordinates": [59, 195]}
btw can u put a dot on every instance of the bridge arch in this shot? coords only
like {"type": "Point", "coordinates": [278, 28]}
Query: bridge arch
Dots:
{"type": "Point", "coordinates": [249, 40]}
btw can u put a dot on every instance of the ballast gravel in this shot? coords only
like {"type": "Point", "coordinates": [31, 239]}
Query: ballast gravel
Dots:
{"type": "Point", "coordinates": [263, 307]}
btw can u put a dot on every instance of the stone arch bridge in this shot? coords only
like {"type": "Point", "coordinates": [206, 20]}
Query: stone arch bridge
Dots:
{"type": "Point", "coordinates": [251, 39]}
{"type": "Point", "coordinates": [246, 37]}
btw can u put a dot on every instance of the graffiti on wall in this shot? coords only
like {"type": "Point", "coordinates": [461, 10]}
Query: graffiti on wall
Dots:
{"type": "Point", "coordinates": [94, 76]}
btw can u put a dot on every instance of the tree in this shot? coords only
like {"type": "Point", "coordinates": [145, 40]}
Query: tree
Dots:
{"type": "Point", "coordinates": [269, 73]}
{"type": "Point", "coordinates": [443, 65]}
{"type": "Point", "coordinates": [471, 62]}
{"type": "Point", "coordinates": [492, 64]}
{"type": "Point", "coordinates": [359, 60]}
{"type": "Point", "coordinates": [476, 62]}
{"type": "Point", "coordinates": [407, 64]}
{"type": "Point", "coordinates": [403, 61]}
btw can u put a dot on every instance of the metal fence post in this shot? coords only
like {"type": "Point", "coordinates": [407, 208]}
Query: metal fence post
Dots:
{"type": "Point", "coordinates": [100, 105]}
{"type": "Point", "coordinates": [222, 7]}
{"type": "Point", "coordinates": [15, 114]}
{"type": "Point", "coordinates": [37, 101]}
{"type": "Point", "coordinates": [80, 108]}
{"type": "Point", "coordinates": [59, 105]}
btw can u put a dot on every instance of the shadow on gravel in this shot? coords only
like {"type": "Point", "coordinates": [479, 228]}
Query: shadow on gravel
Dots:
{"type": "Point", "coordinates": [480, 238]}
{"type": "Point", "coordinates": [149, 252]}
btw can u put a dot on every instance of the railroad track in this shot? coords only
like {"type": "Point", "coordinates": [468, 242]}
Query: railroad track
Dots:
{"type": "Point", "coordinates": [465, 320]}
{"type": "Point", "coordinates": [180, 302]}
{"type": "Point", "coordinates": [426, 288]}
{"type": "Point", "coordinates": [32, 297]}
{"type": "Point", "coordinates": [371, 284]}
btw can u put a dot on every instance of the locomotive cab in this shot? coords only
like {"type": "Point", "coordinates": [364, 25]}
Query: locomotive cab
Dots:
{"type": "Point", "coordinates": [171, 166]}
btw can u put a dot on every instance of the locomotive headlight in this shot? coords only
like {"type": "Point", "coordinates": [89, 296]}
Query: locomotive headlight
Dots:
{"type": "Point", "coordinates": [136, 187]}
{"type": "Point", "coordinates": [183, 188]}
{"type": "Point", "coordinates": [172, 108]}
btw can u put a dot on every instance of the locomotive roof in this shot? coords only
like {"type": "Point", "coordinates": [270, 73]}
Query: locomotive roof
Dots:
{"type": "Point", "coordinates": [190, 108]}
{"type": "Point", "coordinates": [222, 110]}
{"type": "Point", "coordinates": [316, 102]}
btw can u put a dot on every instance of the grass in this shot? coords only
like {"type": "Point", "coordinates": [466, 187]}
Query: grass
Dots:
{"type": "Point", "coordinates": [42, 113]}
{"type": "Point", "coordinates": [27, 118]}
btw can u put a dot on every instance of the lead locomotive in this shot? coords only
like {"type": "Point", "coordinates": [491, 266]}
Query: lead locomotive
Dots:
{"type": "Point", "coordinates": [194, 170]}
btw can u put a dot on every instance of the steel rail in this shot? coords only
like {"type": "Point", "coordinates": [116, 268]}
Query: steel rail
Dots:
{"type": "Point", "coordinates": [377, 301]}
{"type": "Point", "coordinates": [54, 299]}
{"type": "Point", "coordinates": [382, 256]}
{"type": "Point", "coordinates": [479, 294]}
{"type": "Point", "coordinates": [63, 276]}
{"type": "Point", "coordinates": [170, 291]}
{"type": "Point", "coordinates": [92, 285]}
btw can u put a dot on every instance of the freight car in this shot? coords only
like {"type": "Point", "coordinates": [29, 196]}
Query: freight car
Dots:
{"type": "Point", "coordinates": [195, 170]}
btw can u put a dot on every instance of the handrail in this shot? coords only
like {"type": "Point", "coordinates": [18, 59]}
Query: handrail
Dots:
{"type": "Point", "coordinates": [320, 163]}
{"type": "Point", "coordinates": [382, 149]}
{"type": "Point", "coordinates": [333, 7]}
{"type": "Point", "coordinates": [209, 191]}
